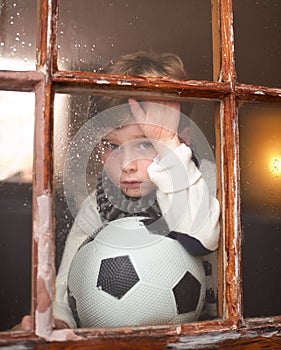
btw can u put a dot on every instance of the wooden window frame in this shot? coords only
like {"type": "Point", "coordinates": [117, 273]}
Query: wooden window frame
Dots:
{"type": "Point", "coordinates": [231, 329]}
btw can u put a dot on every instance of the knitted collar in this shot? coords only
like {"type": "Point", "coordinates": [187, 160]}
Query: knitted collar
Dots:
{"type": "Point", "coordinates": [114, 204]}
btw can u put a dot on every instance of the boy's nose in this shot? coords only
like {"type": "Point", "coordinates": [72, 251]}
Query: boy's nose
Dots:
{"type": "Point", "coordinates": [129, 162]}
{"type": "Point", "coordinates": [129, 166]}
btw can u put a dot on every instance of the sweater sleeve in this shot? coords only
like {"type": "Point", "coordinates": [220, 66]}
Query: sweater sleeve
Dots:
{"type": "Point", "coordinates": [191, 213]}
{"type": "Point", "coordinates": [86, 222]}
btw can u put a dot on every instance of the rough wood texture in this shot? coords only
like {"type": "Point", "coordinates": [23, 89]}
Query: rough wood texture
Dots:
{"type": "Point", "coordinates": [98, 83]}
{"type": "Point", "coordinates": [256, 340]}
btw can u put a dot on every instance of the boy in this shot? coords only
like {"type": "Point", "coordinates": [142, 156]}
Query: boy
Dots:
{"type": "Point", "coordinates": [147, 171]}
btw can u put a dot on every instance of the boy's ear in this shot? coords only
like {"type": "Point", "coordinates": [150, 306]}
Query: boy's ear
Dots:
{"type": "Point", "coordinates": [185, 135]}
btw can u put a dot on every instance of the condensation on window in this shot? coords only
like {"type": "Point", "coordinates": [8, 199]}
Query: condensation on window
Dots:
{"type": "Point", "coordinates": [80, 142]}
{"type": "Point", "coordinates": [97, 33]}
{"type": "Point", "coordinates": [16, 158]}
{"type": "Point", "coordinates": [76, 136]}
{"type": "Point", "coordinates": [257, 33]}
{"type": "Point", "coordinates": [70, 115]}
{"type": "Point", "coordinates": [260, 161]}
{"type": "Point", "coordinates": [18, 34]}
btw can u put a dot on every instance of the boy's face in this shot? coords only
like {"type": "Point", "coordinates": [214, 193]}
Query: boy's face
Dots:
{"type": "Point", "coordinates": [126, 154]}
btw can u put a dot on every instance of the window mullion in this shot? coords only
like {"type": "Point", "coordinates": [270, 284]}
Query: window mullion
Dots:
{"type": "Point", "coordinates": [231, 212]}
{"type": "Point", "coordinates": [47, 35]}
{"type": "Point", "coordinates": [227, 41]}
{"type": "Point", "coordinates": [230, 170]}
{"type": "Point", "coordinates": [43, 247]}
{"type": "Point", "coordinates": [216, 39]}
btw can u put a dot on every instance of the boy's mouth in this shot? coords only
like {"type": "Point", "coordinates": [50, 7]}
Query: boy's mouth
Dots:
{"type": "Point", "coordinates": [131, 184]}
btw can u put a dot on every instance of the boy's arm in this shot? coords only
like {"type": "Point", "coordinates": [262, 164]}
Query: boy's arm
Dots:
{"type": "Point", "coordinates": [61, 309]}
{"type": "Point", "coordinates": [85, 223]}
{"type": "Point", "coordinates": [191, 213]}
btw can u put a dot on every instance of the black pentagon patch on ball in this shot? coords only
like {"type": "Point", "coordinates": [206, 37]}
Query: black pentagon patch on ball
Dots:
{"type": "Point", "coordinates": [117, 276]}
{"type": "Point", "coordinates": [187, 293]}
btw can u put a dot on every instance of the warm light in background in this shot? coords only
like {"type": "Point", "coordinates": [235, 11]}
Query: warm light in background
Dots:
{"type": "Point", "coordinates": [16, 135]}
{"type": "Point", "coordinates": [260, 157]}
{"type": "Point", "coordinates": [275, 165]}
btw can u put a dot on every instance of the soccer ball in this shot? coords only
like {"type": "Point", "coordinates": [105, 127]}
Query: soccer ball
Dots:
{"type": "Point", "coordinates": [128, 276]}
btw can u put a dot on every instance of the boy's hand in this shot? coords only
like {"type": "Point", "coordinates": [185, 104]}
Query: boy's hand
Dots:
{"type": "Point", "coordinates": [59, 324]}
{"type": "Point", "coordinates": [26, 324]}
{"type": "Point", "coordinates": [159, 123]}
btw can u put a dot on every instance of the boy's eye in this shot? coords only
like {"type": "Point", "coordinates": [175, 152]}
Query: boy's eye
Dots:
{"type": "Point", "coordinates": [145, 145]}
{"type": "Point", "coordinates": [110, 146]}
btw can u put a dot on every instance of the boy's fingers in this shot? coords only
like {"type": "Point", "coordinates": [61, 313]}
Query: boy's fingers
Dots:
{"type": "Point", "coordinates": [136, 110]}
{"type": "Point", "coordinates": [26, 323]}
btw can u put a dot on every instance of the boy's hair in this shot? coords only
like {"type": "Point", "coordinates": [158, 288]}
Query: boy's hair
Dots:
{"type": "Point", "coordinates": [144, 64]}
{"type": "Point", "coordinates": [165, 65]}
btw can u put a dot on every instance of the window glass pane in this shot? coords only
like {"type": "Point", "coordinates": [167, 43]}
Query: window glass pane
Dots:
{"type": "Point", "coordinates": [16, 149]}
{"type": "Point", "coordinates": [17, 34]}
{"type": "Point", "coordinates": [88, 152]}
{"type": "Point", "coordinates": [94, 33]}
{"type": "Point", "coordinates": [260, 155]}
{"type": "Point", "coordinates": [257, 31]}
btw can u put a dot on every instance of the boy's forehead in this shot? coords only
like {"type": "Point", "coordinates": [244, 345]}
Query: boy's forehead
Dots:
{"type": "Point", "coordinates": [130, 131]}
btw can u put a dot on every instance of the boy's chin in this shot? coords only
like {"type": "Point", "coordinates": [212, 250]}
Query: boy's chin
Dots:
{"type": "Point", "coordinates": [135, 192]}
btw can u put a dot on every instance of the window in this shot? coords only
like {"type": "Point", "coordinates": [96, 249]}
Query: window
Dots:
{"type": "Point", "coordinates": [234, 94]}
{"type": "Point", "coordinates": [16, 201]}
{"type": "Point", "coordinates": [260, 213]}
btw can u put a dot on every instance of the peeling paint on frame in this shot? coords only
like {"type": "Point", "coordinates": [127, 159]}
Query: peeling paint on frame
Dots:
{"type": "Point", "coordinates": [45, 268]}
